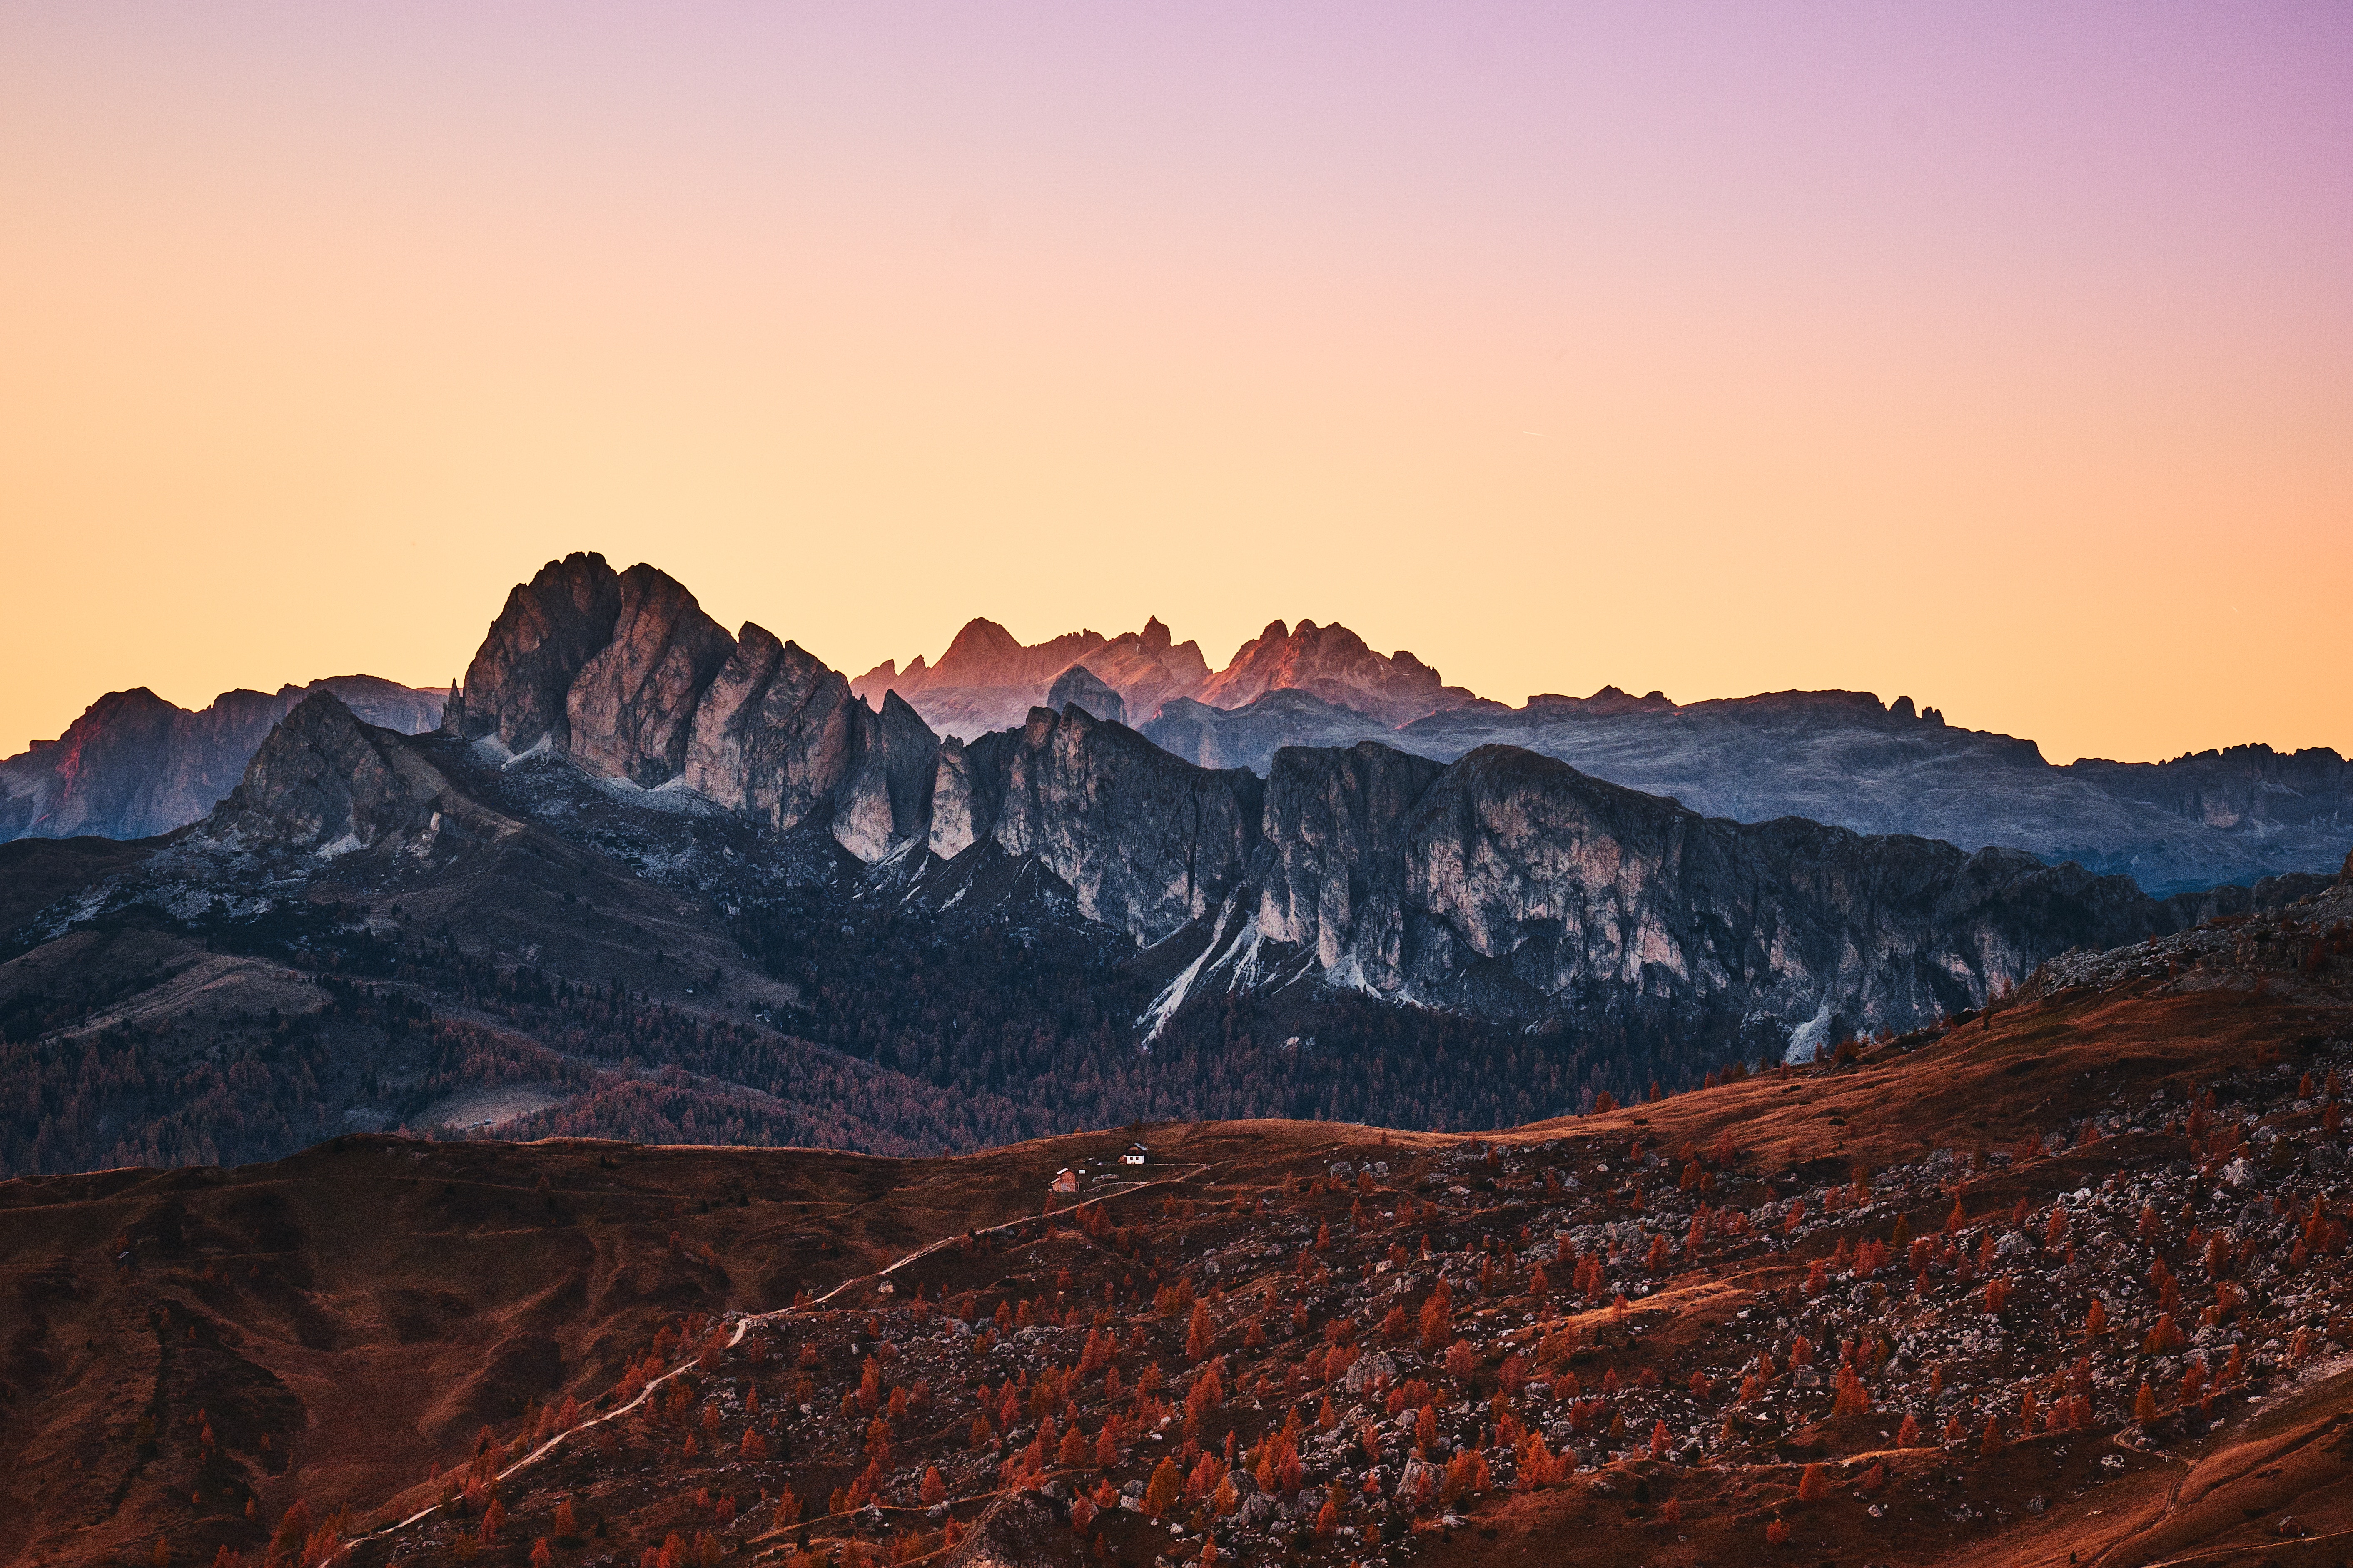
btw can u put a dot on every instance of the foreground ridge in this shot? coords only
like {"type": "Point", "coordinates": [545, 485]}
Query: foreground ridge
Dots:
{"type": "Point", "coordinates": [2066, 1277]}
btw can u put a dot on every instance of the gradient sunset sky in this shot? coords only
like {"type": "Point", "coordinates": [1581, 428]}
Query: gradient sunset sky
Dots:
{"type": "Point", "coordinates": [1997, 354]}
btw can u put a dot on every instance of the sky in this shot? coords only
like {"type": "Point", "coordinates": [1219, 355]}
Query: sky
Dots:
{"type": "Point", "coordinates": [1998, 354]}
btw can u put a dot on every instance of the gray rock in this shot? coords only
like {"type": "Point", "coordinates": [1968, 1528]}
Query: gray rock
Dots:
{"type": "Point", "coordinates": [133, 765]}
{"type": "Point", "coordinates": [551, 626]}
{"type": "Point", "coordinates": [775, 734]}
{"type": "Point", "coordinates": [1081, 687]}
{"type": "Point", "coordinates": [630, 708]}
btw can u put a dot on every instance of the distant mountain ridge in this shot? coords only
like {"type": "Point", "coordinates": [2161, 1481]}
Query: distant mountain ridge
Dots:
{"type": "Point", "coordinates": [989, 680]}
{"type": "Point", "coordinates": [1839, 757]}
{"type": "Point", "coordinates": [134, 766]}
{"type": "Point", "coordinates": [1846, 758]}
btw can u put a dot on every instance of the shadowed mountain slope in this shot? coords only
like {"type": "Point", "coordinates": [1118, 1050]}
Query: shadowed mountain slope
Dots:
{"type": "Point", "coordinates": [134, 766]}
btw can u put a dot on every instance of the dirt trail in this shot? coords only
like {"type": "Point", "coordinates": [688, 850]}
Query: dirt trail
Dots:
{"type": "Point", "coordinates": [752, 1320]}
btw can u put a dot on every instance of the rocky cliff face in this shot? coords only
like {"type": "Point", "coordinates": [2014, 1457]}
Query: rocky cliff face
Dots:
{"type": "Point", "coordinates": [1146, 842]}
{"type": "Point", "coordinates": [518, 686]}
{"type": "Point", "coordinates": [1846, 758]}
{"type": "Point", "coordinates": [626, 675]}
{"type": "Point", "coordinates": [134, 766]}
{"type": "Point", "coordinates": [775, 734]}
{"type": "Point", "coordinates": [629, 708]}
{"type": "Point", "coordinates": [1510, 884]}
{"type": "Point", "coordinates": [2250, 790]}
{"type": "Point", "coordinates": [1333, 663]}
{"type": "Point", "coordinates": [323, 781]}
{"type": "Point", "coordinates": [1499, 881]}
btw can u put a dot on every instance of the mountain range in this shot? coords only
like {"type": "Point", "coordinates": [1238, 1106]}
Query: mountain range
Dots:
{"type": "Point", "coordinates": [133, 765]}
{"type": "Point", "coordinates": [1845, 758]}
{"type": "Point", "coordinates": [638, 843]}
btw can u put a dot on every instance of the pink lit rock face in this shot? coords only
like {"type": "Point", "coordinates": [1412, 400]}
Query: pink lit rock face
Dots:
{"type": "Point", "coordinates": [987, 680]}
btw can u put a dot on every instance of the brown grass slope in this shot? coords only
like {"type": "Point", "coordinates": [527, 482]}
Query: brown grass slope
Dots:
{"type": "Point", "coordinates": [184, 1345]}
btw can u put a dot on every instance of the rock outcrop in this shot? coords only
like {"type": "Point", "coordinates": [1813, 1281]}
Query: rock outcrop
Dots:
{"type": "Point", "coordinates": [520, 680]}
{"type": "Point", "coordinates": [886, 800]}
{"type": "Point", "coordinates": [629, 708]}
{"type": "Point", "coordinates": [626, 675]}
{"type": "Point", "coordinates": [324, 780]}
{"type": "Point", "coordinates": [1146, 841]}
{"type": "Point", "coordinates": [1509, 884]}
{"type": "Point", "coordinates": [1333, 880]}
{"type": "Point", "coordinates": [775, 732]}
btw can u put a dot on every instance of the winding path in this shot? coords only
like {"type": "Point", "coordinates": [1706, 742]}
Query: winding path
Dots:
{"type": "Point", "coordinates": [750, 1320]}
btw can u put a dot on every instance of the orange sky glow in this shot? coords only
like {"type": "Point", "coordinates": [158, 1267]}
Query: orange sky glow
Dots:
{"type": "Point", "coordinates": [2004, 360]}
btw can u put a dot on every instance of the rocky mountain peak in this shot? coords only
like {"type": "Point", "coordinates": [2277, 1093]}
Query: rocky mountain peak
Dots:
{"type": "Point", "coordinates": [628, 708]}
{"type": "Point", "coordinates": [323, 779]}
{"type": "Point", "coordinates": [547, 632]}
{"type": "Point", "coordinates": [981, 642]}
{"type": "Point", "coordinates": [1333, 663]}
{"type": "Point", "coordinates": [133, 764]}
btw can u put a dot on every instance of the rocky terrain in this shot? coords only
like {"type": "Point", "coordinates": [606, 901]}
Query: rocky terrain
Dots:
{"type": "Point", "coordinates": [134, 766]}
{"type": "Point", "coordinates": [1847, 759]}
{"type": "Point", "coordinates": [2065, 1281]}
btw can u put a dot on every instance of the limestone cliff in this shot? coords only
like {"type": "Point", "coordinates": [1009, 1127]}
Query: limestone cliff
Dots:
{"type": "Point", "coordinates": [775, 734]}
{"type": "Point", "coordinates": [517, 686]}
{"type": "Point", "coordinates": [630, 707]}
